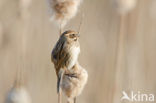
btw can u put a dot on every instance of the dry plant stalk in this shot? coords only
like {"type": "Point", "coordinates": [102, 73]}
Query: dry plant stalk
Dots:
{"type": "Point", "coordinates": [120, 54]}
{"type": "Point", "coordinates": [1, 34]}
{"type": "Point", "coordinates": [124, 6]}
{"type": "Point", "coordinates": [74, 82]}
{"type": "Point", "coordinates": [152, 9]}
{"type": "Point", "coordinates": [18, 93]}
{"type": "Point", "coordinates": [63, 10]}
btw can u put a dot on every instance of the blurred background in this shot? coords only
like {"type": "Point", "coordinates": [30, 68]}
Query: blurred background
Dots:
{"type": "Point", "coordinates": [118, 53]}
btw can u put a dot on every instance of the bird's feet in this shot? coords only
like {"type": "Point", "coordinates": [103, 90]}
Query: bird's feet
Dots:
{"type": "Point", "coordinates": [73, 75]}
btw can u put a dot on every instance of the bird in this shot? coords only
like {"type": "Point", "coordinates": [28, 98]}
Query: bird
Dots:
{"type": "Point", "coordinates": [65, 54]}
{"type": "Point", "coordinates": [63, 10]}
{"type": "Point", "coordinates": [73, 83]}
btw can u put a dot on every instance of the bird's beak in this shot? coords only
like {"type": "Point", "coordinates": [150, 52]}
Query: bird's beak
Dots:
{"type": "Point", "coordinates": [78, 35]}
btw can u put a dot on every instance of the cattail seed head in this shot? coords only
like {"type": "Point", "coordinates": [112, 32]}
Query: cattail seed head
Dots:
{"type": "Point", "coordinates": [124, 6]}
{"type": "Point", "coordinates": [18, 94]}
{"type": "Point", "coordinates": [63, 10]}
{"type": "Point", "coordinates": [24, 5]}
{"type": "Point", "coordinates": [73, 86]}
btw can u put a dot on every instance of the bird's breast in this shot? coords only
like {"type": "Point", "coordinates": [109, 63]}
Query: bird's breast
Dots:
{"type": "Point", "coordinates": [74, 52]}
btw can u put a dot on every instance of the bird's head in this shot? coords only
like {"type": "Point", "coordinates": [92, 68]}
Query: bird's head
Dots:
{"type": "Point", "coordinates": [71, 36]}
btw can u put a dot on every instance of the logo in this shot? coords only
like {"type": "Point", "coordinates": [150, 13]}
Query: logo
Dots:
{"type": "Point", "coordinates": [137, 97]}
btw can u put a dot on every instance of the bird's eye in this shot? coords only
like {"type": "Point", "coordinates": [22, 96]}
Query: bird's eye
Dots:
{"type": "Point", "coordinates": [72, 36]}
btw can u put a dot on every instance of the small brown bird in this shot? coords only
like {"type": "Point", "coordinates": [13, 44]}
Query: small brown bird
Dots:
{"type": "Point", "coordinates": [74, 82]}
{"type": "Point", "coordinates": [65, 54]}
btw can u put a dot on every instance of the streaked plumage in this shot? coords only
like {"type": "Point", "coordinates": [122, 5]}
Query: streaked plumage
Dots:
{"type": "Point", "coordinates": [65, 53]}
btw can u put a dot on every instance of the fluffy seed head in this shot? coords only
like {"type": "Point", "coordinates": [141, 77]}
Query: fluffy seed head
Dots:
{"type": "Point", "coordinates": [63, 10]}
{"type": "Point", "coordinates": [24, 6]}
{"type": "Point", "coordinates": [72, 86]}
{"type": "Point", "coordinates": [18, 94]}
{"type": "Point", "coordinates": [25, 3]}
{"type": "Point", "coordinates": [124, 6]}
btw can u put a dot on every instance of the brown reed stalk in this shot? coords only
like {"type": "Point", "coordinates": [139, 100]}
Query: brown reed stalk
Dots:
{"type": "Point", "coordinates": [1, 34]}
{"type": "Point", "coordinates": [18, 93]}
{"type": "Point", "coordinates": [123, 8]}
{"type": "Point", "coordinates": [120, 54]}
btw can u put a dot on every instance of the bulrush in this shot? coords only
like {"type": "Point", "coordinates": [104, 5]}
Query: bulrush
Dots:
{"type": "Point", "coordinates": [124, 6]}
{"type": "Point", "coordinates": [63, 10]}
{"type": "Point", "coordinates": [74, 82]}
{"type": "Point", "coordinates": [24, 6]}
{"type": "Point", "coordinates": [18, 94]}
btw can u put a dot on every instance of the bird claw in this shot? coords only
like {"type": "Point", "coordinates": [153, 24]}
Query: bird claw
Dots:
{"type": "Point", "coordinates": [73, 75]}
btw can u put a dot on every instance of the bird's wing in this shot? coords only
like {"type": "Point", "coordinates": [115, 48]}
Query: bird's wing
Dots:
{"type": "Point", "coordinates": [60, 56]}
{"type": "Point", "coordinates": [56, 50]}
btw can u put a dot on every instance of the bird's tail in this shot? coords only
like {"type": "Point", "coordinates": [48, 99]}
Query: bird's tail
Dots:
{"type": "Point", "coordinates": [59, 81]}
{"type": "Point", "coordinates": [71, 100]}
{"type": "Point", "coordinates": [75, 100]}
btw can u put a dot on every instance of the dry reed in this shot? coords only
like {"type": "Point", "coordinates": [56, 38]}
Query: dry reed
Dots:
{"type": "Point", "coordinates": [1, 34]}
